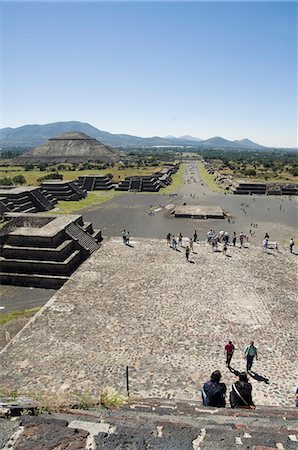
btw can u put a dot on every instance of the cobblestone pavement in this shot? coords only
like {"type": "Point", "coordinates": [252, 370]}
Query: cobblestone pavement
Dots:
{"type": "Point", "coordinates": [146, 307]}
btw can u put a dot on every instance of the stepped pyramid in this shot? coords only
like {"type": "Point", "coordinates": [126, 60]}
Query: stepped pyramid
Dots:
{"type": "Point", "coordinates": [69, 147]}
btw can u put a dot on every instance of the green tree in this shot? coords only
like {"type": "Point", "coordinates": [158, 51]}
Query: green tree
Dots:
{"type": "Point", "coordinates": [19, 179]}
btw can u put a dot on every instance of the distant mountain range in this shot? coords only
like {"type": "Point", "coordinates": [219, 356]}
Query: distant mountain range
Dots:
{"type": "Point", "coordinates": [33, 135]}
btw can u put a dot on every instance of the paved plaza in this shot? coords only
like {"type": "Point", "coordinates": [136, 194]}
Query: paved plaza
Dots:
{"type": "Point", "coordinates": [146, 307]}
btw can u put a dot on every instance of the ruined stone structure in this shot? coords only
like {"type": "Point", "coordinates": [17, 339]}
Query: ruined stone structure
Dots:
{"type": "Point", "coordinates": [43, 251]}
{"type": "Point", "coordinates": [248, 187]}
{"type": "Point", "coordinates": [26, 199]}
{"type": "Point", "coordinates": [280, 189]}
{"type": "Point", "coordinates": [64, 190]}
{"type": "Point", "coordinates": [148, 183]}
{"type": "Point", "coordinates": [198, 212]}
{"type": "Point", "coordinates": [69, 147]}
{"type": "Point", "coordinates": [95, 182]}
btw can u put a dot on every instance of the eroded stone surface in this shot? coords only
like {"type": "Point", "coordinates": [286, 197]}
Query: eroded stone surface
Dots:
{"type": "Point", "coordinates": [145, 307]}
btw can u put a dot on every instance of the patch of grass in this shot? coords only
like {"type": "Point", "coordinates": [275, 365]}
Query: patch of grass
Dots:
{"type": "Point", "coordinates": [118, 173]}
{"type": "Point", "coordinates": [8, 317]}
{"type": "Point", "coordinates": [208, 178]}
{"type": "Point", "coordinates": [111, 398]}
{"type": "Point", "coordinates": [93, 198]}
{"type": "Point", "coordinates": [177, 180]}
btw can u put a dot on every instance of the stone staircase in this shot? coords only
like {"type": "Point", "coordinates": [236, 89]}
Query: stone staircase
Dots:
{"type": "Point", "coordinates": [84, 239]}
{"type": "Point", "coordinates": [155, 424]}
{"type": "Point", "coordinates": [25, 199]}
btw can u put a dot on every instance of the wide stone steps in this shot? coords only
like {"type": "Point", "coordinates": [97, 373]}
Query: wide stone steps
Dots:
{"type": "Point", "coordinates": [45, 204]}
{"type": "Point", "coordinates": [155, 424]}
{"type": "Point", "coordinates": [85, 240]}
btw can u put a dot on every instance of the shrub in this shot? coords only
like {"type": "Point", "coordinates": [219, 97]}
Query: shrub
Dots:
{"type": "Point", "coordinates": [19, 179]}
{"type": "Point", "coordinates": [110, 397]}
{"type": "Point", "coordinates": [6, 181]}
{"type": "Point", "coordinates": [250, 172]}
{"type": "Point", "coordinates": [51, 176]}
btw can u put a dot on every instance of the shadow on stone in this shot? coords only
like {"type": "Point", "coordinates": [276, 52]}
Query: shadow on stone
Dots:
{"type": "Point", "coordinates": [234, 371]}
{"type": "Point", "coordinates": [259, 377]}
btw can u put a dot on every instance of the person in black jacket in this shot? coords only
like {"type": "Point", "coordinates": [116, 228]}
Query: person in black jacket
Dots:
{"type": "Point", "coordinates": [241, 393]}
{"type": "Point", "coordinates": [214, 392]}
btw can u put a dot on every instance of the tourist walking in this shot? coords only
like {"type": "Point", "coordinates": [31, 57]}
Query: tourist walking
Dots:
{"type": "Point", "coordinates": [214, 392]}
{"type": "Point", "coordinates": [209, 236]}
{"type": "Point", "coordinates": [191, 244]}
{"type": "Point", "coordinates": [195, 236]}
{"type": "Point", "coordinates": [250, 353]}
{"type": "Point", "coordinates": [265, 244]}
{"type": "Point", "coordinates": [292, 243]}
{"type": "Point", "coordinates": [180, 239]}
{"type": "Point", "coordinates": [213, 244]}
{"type": "Point", "coordinates": [124, 236]}
{"type": "Point", "coordinates": [229, 351]}
{"type": "Point", "coordinates": [174, 243]}
{"type": "Point", "coordinates": [187, 252]}
{"type": "Point", "coordinates": [234, 239]}
{"type": "Point", "coordinates": [169, 239]}
{"type": "Point", "coordinates": [241, 393]}
{"type": "Point", "coordinates": [224, 249]}
{"type": "Point", "coordinates": [241, 239]}
{"type": "Point", "coordinates": [127, 238]}
{"type": "Point", "coordinates": [226, 238]}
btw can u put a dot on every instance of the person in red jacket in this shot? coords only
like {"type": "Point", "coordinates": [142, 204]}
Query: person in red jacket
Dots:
{"type": "Point", "coordinates": [229, 350]}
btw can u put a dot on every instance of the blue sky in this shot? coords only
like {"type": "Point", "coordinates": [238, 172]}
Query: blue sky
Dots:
{"type": "Point", "coordinates": [153, 68]}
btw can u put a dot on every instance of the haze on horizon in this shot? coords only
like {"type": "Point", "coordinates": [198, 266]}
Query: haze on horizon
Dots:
{"type": "Point", "coordinates": [156, 68]}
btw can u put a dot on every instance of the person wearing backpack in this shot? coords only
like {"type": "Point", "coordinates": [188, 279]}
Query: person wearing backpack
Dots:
{"type": "Point", "coordinates": [214, 392]}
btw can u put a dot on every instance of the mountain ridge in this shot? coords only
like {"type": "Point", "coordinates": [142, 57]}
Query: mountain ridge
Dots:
{"type": "Point", "coordinates": [35, 134]}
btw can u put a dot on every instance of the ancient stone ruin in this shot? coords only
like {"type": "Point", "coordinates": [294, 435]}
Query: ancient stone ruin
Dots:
{"type": "Point", "coordinates": [69, 147]}
{"type": "Point", "coordinates": [248, 187]}
{"type": "Point", "coordinates": [43, 251]}
{"type": "Point", "coordinates": [64, 190]}
{"type": "Point", "coordinates": [148, 183]}
{"type": "Point", "coordinates": [95, 182]}
{"type": "Point", "coordinates": [198, 212]}
{"type": "Point", "coordinates": [26, 199]}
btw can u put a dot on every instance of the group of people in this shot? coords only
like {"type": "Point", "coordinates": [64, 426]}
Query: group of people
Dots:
{"type": "Point", "coordinates": [214, 392]}
{"type": "Point", "coordinates": [265, 244]}
{"type": "Point", "coordinates": [224, 237]}
{"type": "Point", "coordinates": [216, 238]}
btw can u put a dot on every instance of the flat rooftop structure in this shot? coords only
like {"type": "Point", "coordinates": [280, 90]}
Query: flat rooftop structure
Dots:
{"type": "Point", "coordinates": [16, 190]}
{"type": "Point", "coordinates": [145, 307]}
{"type": "Point", "coordinates": [199, 212]}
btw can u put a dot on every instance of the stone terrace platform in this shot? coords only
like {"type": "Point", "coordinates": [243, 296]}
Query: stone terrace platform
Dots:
{"type": "Point", "coordinates": [144, 306]}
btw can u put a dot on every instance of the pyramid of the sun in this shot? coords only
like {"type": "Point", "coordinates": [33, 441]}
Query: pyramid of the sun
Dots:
{"type": "Point", "coordinates": [69, 147]}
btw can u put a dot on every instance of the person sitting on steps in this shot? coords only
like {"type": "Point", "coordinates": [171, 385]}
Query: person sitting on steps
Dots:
{"type": "Point", "coordinates": [214, 392]}
{"type": "Point", "coordinates": [241, 393]}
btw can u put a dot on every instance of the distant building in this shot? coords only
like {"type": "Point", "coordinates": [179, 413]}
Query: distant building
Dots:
{"type": "Point", "coordinates": [69, 147]}
{"type": "Point", "coordinates": [248, 187]}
